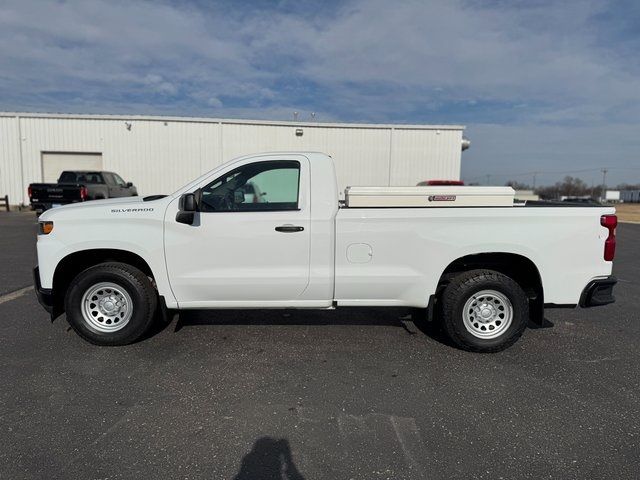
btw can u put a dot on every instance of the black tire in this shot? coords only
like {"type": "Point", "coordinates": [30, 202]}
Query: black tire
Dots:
{"type": "Point", "coordinates": [461, 289]}
{"type": "Point", "coordinates": [139, 288]}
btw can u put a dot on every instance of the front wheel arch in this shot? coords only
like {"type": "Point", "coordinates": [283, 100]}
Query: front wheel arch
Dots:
{"type": "Point", "coordinates": [103, 295]}
{"type": "Point", "coordinates": [75, 263]}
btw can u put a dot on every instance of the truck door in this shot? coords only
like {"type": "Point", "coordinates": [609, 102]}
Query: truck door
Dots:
{"type": "Point", "coordinates": [110, 183]}
{"type": "Point", "coordinates": [121, 185]}
{"type": "Point", "coordinates": [117, 187]}
{"type": "Point", "coordinates": [250, 240]}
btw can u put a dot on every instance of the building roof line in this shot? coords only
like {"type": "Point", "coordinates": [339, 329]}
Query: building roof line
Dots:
{"type": "Point", "coordinates": [229, 121]}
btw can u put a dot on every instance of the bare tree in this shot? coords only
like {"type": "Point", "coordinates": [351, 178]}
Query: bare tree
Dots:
{"type": "Point", "coordinates": [517, 185]}
{"type": "Point", "coordinates": [570, 187]}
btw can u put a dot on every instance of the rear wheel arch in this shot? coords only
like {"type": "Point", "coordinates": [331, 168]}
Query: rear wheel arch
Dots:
{"type": "Point", "coordinates": [484, 311]}
{"type": "Point", "coordinates": [518, 267]}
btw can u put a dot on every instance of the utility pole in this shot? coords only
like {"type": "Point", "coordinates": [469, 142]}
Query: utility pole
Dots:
{"type": "Point", "coordinates": [604, 184]}
{"type": "Point", "coordinates": [534, 179]}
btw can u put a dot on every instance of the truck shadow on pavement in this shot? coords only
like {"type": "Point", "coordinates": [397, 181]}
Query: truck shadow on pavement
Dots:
{"type": "Point", "coordinates": [269, 459]}
{"type": "Point", "coordinates": [409, 319]}
{"type": "Point", "coordinates": [393, 317]}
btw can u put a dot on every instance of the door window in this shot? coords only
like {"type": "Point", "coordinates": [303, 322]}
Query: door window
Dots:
{"type": "Point", "coordinates": [119, 181]}
{"type": "Point", "coordinates": [109, 178]}
{"type": "Point", "coordinates": [260, 186]}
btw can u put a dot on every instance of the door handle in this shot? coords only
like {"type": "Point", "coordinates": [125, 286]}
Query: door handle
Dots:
{"type": "Point", "coordinates": [289, 228]}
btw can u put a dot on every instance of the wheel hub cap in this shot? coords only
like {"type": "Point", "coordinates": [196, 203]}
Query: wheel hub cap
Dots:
{"type": "Point", "coordinates": [106, 307]}
{"type": "Point", "coordinates": [487, 314]}
{"type": "Point", "coordinates": [111, 305]}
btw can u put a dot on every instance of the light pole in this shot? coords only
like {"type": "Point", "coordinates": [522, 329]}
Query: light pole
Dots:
{"type": "Point", "coordinates": [603, 195]}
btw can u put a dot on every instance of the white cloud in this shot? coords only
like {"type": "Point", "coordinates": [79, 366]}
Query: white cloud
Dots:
{"type": "Point", "coordinates": [545, 69]}
{"type": "Point", "coordinates": [403, 53]}
{"type": "Point", "coordinates": [545, 54]}
{"type": "Point", "coordinates": [214, 102]}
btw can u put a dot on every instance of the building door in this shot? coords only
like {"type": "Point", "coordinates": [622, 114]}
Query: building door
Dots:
{"type": "Point", "coordinates": [54, 163]}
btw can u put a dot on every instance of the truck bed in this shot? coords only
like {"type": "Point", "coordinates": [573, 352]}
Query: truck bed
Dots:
{"type": "Point", "coordinates": [387, 256]}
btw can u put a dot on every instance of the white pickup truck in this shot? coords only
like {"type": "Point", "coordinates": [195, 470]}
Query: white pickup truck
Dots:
{"type": "Point", "coordinates": [269, 231]}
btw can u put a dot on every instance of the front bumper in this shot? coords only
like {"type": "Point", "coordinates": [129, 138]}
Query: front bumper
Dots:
{"type": "Point", "coordinates": [598, 292]}
{"type": "Point", "coordinates": [45, 295]}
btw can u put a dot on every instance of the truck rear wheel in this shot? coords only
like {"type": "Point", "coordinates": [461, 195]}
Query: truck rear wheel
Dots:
{"type": "Point", "coordinates": [484, 311]}
{"type": "Point", "coordinates": [111, 304]}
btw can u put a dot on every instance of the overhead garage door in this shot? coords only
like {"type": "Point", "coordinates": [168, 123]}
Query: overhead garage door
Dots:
{"type": "Point", "coordinates": [54, 163]}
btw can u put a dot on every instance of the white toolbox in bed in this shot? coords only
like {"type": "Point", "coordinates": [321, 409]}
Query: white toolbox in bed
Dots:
{"type": "Point", "coordinates": [431, 196]}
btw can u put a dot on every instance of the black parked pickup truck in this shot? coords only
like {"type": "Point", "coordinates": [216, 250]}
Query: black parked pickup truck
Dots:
{"type": "Point", "coordinates": [78, 186]}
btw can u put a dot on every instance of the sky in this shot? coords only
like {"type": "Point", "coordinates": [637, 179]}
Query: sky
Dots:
{"type": "Point", "coordinates": [542, 86]}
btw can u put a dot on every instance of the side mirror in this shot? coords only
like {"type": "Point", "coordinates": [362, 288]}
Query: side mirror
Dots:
{"type": "Point", "coordinates": [238, 196]}
{"type": "Point", "coordinates": [129, 184]}
{"type": "Point", "coordinates": [186, 209]}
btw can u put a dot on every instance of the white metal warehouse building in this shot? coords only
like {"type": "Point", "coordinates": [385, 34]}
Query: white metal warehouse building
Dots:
{"type": "Point", "coordinates": [160, 154]}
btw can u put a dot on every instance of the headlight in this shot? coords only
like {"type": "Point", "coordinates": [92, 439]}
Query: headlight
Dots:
{"type": "Point", "coordinates": [45, 228]}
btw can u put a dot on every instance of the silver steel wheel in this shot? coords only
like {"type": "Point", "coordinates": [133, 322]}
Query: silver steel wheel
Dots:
{"type": "Point", "coordinates": [487, 314]}
{"type": "Point", "coordinates": [106, 307]}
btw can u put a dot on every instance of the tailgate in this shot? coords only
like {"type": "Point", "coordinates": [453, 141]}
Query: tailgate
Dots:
{"type": "Point", "coordinates": [55, 193]}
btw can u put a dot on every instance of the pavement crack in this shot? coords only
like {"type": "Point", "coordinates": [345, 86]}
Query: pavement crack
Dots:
{"type": "Point", "coordinates": [15, 294]}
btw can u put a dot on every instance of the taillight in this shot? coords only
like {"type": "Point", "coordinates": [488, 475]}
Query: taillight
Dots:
{"type": "Point", "coordinates": [610, 222]}
{"type": "Point", "coordinates": [29, 192]}
{"type": "Point", "coordinates": [84, 193]}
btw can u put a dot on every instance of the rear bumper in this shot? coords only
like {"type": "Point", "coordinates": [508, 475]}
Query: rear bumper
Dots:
{"type": "Point", "coordinates": [45, 295]}
{"type": "Point", "coordinates": [40, 207]}
{"type": "Point", "coordinates": [598, 292]}
{"type": "Point", "coordinates": [44, 206]}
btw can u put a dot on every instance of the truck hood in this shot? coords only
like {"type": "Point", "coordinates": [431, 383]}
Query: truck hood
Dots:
{"type": "Point", "coordinates": [87, 207]}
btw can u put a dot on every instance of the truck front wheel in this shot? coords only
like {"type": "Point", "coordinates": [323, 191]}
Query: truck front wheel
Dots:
{"type": "Point", "coordinates": [111, 304]}
{"type": "Point", "coordinates": [484, 311]}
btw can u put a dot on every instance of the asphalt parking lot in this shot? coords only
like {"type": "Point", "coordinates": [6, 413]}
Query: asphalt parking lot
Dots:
{"type": "Point", "coordinates": [346, 394]}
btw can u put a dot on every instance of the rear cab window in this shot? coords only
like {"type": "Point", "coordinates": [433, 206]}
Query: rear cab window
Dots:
{"type": "Point", "coordinates": [81, 177]}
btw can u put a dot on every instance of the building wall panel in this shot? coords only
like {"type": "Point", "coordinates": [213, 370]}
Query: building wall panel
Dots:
{"type": "Point", "coordinates": [361, 156]}
{"type": "Point", "coordinates": [10, 165]}
{"type": "Point", "coordinates": [425, 155]}
{"type": "Point", "coordinates": [161, 154]}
